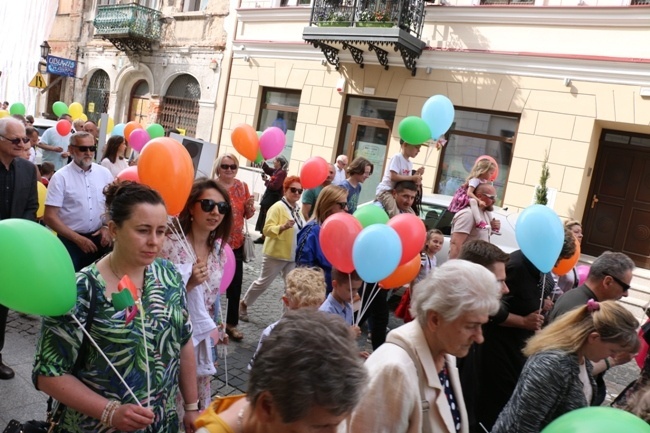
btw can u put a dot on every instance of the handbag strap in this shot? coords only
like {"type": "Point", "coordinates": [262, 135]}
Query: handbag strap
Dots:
{"type": "Point", "coordinates": [304, 232]}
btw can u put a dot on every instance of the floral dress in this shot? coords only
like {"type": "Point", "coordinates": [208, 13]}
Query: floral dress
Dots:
{"type": "Point", "coordinates": [167, 327]}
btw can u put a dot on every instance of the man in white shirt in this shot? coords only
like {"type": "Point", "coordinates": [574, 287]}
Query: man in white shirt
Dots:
{"type": "Point", "coordinates": [341, 163]}
{"type": "Point", "coordinates": [75, 203]}
{"type": "Point", "coordinates": [54, 145]}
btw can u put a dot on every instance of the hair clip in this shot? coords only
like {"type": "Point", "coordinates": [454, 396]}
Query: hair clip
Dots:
{"type": "Point", "coordinates": [592, 305]}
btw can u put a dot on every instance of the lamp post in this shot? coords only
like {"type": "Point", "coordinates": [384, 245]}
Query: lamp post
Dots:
{"type": "Point", "coordinates": [45, 51]}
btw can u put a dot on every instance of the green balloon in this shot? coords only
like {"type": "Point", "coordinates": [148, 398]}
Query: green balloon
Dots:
{"type": "Point", "coordinates": [59, 108]}
{"type": "Point", "coordinates": [155, 130]}
{"type": "Point", "coordinates": [17, 108]}
{"type": "Point", "coordinates": [46, 285]}
{"type": "Point", "coordinates": [371, 214]}
{"type": "Point", "coordinates": [414, 130]}
{"type": "Point", "coordinates": [260, 158]}
{"type": "Point", "coordinates": [597, 419]}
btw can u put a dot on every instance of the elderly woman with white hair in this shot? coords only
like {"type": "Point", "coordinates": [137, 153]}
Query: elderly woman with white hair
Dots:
{"type": "Point", "coordinates": [414, 383]}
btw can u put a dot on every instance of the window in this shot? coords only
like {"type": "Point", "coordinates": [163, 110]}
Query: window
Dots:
{"type": "Point", "coordinates": [280, 108]}
{"type": "Point", "coordinates": [474, 134]}
{"type": "Point", "coordinates": [180, 106]}
{"type": "Point", "coordinates": [194, 5]}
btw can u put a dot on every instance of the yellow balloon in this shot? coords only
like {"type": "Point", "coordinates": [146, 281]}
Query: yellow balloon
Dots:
{"type": "Point", "coordinates": [3, 113]}
{"type": "Point", "coordinates": [109, 126]}
{"type": "Point", "coordinates": [84, 117]}
{"type": "Point", "coordinates": [76, 110]}
{"type": "Point", "coordinates": [42, 192]}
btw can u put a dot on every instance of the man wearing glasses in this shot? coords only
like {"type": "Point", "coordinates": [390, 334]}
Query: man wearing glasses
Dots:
{"type": "Point", "coordinates": [18, 199]}
{"type": "Point", "coordinates": [74, 206]}
{"type": "Point", "coordinates": [463, 226]}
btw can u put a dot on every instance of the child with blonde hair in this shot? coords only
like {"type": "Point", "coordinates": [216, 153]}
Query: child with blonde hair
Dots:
{"type": "Point", "coordinates": [482, 172]}
{"type": "Point", "coordinates": [305, 288]}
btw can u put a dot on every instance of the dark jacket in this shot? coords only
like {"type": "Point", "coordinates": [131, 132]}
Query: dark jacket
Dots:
{"type": "Point", "coordinates": [24, 203]}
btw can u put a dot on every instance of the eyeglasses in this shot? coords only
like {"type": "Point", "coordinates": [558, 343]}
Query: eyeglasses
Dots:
{"type": "Point", "coordinates": [16, 141]}
{"type": "Point", "coordinates": [342, 204]}
{"type": "Point", "coordinates": [296, 190]}
{"type": "Point", "coordinates": [623, 285]}
{"type": "Point", "coordinates": [233, 167]}
{"type": "Point", "coordinates": [85, 148]}
{"type": "Point", "coordinates": [208, 205]}
{"type": "Point", "coordinates": [492, 197]}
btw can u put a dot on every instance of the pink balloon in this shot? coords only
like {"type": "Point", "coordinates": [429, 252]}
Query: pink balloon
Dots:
{"type": "Point", "coordinates": [583, 272]}
{"type": "Point", "coordinates": [313, 172]}
{"type": "Point", "coordinates": [336, 237]}
{"type": "Point", "coordinates": [272, 142]}
{"type": "Point", "coordinates": [228, 269]}
{"type": "Point", "coordinates": [129, 173]}
{"type": "Point", "coordinates": [138, 138]}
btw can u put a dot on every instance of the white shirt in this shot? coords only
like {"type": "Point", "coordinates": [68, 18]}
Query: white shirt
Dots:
{"type": "Point", "coordinates": [80, 196]}
{"type": "Point", "coordinates": [399, 165]}
{"type": "Point", "coordinates": [53, 138]}
{"type": "Point", "coordinates": [117, 167]}
{"type": "Point", "coordinates": [340, 175]}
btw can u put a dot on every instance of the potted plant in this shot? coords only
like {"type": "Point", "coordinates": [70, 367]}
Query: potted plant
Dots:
{"type": "Point", "coordinates": [378, 18]}
{"type": "Point", "coordinates": [334, 19]}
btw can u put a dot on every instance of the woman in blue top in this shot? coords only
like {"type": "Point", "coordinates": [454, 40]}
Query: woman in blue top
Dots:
{"type": "Point", "coordinates": [358, 172]}
{"type": "Point", "coordinates": [331, 200]}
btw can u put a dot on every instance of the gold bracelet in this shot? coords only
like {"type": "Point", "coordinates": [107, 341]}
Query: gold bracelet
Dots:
{"type": "Point", "coordinates": [109, 410]}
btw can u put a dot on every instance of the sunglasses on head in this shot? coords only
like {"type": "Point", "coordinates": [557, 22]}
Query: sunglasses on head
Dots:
{"type": "Point", "coordinates": [233, 167]}
{"type": "Point", "coordinates": [85, 148]}
{"type": "Point", "coordinates": [208, 205]}
{"type": "Point", "coordinates": [623, 285]}
{"type": "Point", "coordinates": [492, 197]}
{"type": "Point", "coordinates": [15, 141]}
{"type": "Point", "coordinates": [295, 190]}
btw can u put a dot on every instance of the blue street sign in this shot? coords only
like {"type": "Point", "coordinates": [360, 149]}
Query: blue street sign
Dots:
{"type": "Point", "coordinates": [61, 66]}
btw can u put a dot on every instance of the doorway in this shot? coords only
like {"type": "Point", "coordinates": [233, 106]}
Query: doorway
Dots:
{"type": "Point", "coordinates": [618, 212]}
{"type": "Point", "coordinates": [140, 106]}
{"type": "Point", "coordinates": [368, 127]}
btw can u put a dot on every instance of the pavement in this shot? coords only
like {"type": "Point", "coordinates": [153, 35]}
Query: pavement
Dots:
{"type": "Point", "coordinates": [21, 401]}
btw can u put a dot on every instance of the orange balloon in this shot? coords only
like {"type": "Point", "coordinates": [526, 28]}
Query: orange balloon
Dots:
{"type": "Point", "coordinates": [166, 166]}
{"type": "Point", "coordinates": [404, 274]}
{"type": "Point", "coordinates": [130, 127]}
{"type": "Point", "coordinates": [245, 140]}
{"type": "Point", "coordinates": [565, 265]}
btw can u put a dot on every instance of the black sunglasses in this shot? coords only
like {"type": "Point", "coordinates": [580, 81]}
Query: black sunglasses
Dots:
{"type": "Point", "coordinates": [15, 141]}
{"type": "Point", "coordinates": [343, 204]}
{"type": "Point", "coordinates": [233, 167]}
{"type": "Point", "coordinates": [296, 190]}
{"type": "Point", "coordinates": [623, 285]}
{"type": "Point", "coordinates": [208, 205]}
{"type": "Point", "coordinates": [85, 148]}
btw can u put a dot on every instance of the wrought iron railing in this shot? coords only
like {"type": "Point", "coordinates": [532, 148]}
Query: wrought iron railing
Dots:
{"type": "Point", "coordinates": [128, 21]}
{"type": "Point", "coordinates": [507, 2]}
{"type": "Point", "coordinates": [407, 15]}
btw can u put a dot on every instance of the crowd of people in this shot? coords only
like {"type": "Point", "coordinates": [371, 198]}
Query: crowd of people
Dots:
{"type": "Point", "coordinates": [491, 343]}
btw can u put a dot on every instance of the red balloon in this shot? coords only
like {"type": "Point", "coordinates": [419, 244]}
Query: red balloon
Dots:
{"type": "Point", "coordinates": [129, 173]}
{"type": "Point", "coordinates": [166, 166]}
{"type": "Point", "coordinates": [313, 172]}
{"type": "Point", "coordinates": [63, 127]}
{"type": "Point", "coordinates": [493, 161]}
{"type": "Point", "coordinates": [412, 233]}
{"type": "Point", "coordinates": [337, 235]}
{"type": "Point", "coordinates": [404, 274]}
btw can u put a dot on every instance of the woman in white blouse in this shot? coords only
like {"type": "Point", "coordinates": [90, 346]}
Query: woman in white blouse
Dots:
{"type": "Point", "coordinates": [114, 157]}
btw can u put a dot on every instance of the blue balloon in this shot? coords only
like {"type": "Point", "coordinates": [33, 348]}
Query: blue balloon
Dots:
{"type": "Point", "coordinates": [376, 252]}
{"type": "Point", "coordinates": [118, 129]}
{"type": "Point", "coordinates": [438, 112]}
{"type": "Point", "coordinates": [540, 235]}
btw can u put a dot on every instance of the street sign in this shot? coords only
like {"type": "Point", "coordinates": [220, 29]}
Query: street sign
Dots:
{"type": "Point", "coordinates": [61, 66]}
{"type": "Point", "coordinates": [38, 81]}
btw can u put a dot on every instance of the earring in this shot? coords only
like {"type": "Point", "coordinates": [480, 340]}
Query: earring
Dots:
{"type": "Point", "coordinates": [191, 218]}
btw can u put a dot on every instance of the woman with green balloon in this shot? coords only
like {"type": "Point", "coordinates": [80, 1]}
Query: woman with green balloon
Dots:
{"type": "Point", "coordinates": [557, 377]}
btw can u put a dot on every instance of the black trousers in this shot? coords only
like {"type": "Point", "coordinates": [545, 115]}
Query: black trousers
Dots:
{"type": "Point", "coordinates": [376, 314]}
{"type": "Point", "coordinates": [80, 259]}
{"type": "Point", "coordinates": [3, 325]}
{"type": "Point", "coordinates": [233, 293]}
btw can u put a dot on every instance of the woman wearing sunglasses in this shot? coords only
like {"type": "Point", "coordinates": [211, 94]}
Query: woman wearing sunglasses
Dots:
{"type": "Point", "coordinates": [332, 199]}
{"type": "Point", "coordinates": [205, 221]}
{"type": "Point", "coordinates": [283, 222]}
{"type": "Point", "coordinates": [243, 208]}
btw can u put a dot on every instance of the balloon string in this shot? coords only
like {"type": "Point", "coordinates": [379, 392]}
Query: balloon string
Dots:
{"type": "Point", "coordinates": [351, 292]}
{"type": "Point", "coordinates": [225, 351]}
{"type": "Point", "coordinates": [374, 295]}
{"type": "Point", "coordinates": [365, 305]}
{"type": "Point", "coordinates": [110, 364]}
{"type": "Point", "coordinates": [146, 353]}
{"type": "Point", "coordinates": [541, 298]}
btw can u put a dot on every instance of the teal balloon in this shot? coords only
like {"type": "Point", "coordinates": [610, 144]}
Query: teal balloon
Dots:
{"type": "Point", "coordinates": [414, 130]}
{"type": "Point", "coordinates": [17, 108]}
{"type": "Point", "coordinates": [59, 108]}
{"type": "Point", "coordinates": [376, 252]}
{"type": "Point", "coordinates": [370, 214]}
{"type": "Point", "coordinates": [118, 129]}
{"type": "Point", "coordinates": [36, 270]}
{"type": "Point", "coordinates": [597, 419]}
{"type": "Point", "coordinates": [438, 113]}
{"type": "Point", "coordinates": [540, 235]}
{"type": "Point", "coordinates": [155, 130]}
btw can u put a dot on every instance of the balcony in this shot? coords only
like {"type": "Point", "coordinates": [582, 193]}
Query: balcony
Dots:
{"type": "Point", "coordinates": [354, 24]}
{"type": "Point", "coordinates": [128, 26]}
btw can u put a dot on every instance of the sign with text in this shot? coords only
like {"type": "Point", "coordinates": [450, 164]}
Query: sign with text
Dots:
{"type": "Point", "coordinates": [61, 66]}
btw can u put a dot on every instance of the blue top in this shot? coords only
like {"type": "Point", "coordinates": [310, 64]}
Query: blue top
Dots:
{"type": "Point", "coordinates": [308, 252]}
{"type": "Point", "coordinates": [333, 306]}
{"type": "Point", "coordinates": [353, 195]}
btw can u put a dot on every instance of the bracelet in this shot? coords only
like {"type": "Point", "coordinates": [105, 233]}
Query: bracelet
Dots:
{"type": "Point", "coordinates": [191, 406]}
{"type": "Point", "coordinates": [109, 410]}
{"type": "Point", "coordinates": [608, 365]}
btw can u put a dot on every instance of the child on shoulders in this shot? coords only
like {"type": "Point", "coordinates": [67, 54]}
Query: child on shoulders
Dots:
{"type": "Point", "coordinates": [482, 172]}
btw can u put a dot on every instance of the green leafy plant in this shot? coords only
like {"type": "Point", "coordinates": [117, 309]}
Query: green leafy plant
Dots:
{"type": "Point", "coordinates": [379, 16]}
{"type": "Point", "coordinates": [541, 192]}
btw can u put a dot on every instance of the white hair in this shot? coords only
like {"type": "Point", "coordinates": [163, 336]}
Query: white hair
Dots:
{"type": "Point", "coordinates": [456, 287]}
{"type": "Point", "coordinates": [6, 121]}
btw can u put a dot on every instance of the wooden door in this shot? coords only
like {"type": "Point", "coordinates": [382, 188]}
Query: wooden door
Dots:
{"type": "Point", "coordinates": [618, 211]}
